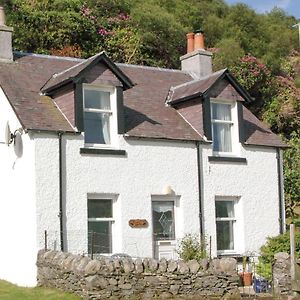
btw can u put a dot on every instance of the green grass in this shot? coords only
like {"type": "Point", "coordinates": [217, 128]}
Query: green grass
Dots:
{"type": "Point", "coordinates": [9, 291]}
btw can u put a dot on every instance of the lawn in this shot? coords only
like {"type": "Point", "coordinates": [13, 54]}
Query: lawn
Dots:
{"type": "Point", "coordinates": [9, 291]}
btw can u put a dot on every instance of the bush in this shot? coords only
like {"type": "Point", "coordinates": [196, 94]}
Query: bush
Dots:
{"type": "Point", "coordinates": [192, 247]}
{"type": "Point", "coordinates": [280, 243]}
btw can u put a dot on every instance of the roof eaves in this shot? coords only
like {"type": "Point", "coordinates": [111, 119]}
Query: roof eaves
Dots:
{"type": "Point", "coordinates": [185, 98]}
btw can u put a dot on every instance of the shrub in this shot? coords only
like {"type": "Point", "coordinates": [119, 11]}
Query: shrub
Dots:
{"type": "Point", "coordinates": [192, 247]}
{"type": "Point", "coordinates": [280, 243]}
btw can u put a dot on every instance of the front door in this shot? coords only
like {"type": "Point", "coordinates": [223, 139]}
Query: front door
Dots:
{"type": "Point", "coordinates": [163, 217]}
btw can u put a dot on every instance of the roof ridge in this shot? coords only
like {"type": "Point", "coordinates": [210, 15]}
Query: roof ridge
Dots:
{"type": "Point", "coordinates": [150, 68]}
{"type": "Point", "coordinates": [75, 66]}
{"type": "Point", "coordinates": [68, 58]}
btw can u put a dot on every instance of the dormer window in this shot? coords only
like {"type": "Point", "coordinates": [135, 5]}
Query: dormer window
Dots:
{"type": "Point", "coordinates": [224, 131]}
{"type": "Point", "coordinates": [100, 116]}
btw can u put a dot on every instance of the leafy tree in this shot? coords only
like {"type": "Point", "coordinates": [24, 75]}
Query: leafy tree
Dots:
{"type": "Point", "coordinates": [228, 53]}
{"type": "Point", "coordinates": [292, 175]}
{"type": "Point", "coordinates": [280, 243]}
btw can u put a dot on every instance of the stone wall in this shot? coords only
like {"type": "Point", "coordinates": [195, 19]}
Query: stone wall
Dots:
{"type": "Point", "coordinates": [282, 274]}
{"type": "Point", "coordinates": [137, 279]}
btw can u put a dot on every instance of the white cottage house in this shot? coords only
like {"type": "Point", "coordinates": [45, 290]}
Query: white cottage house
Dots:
{"type": "Point", "coordinates": [140, 156]}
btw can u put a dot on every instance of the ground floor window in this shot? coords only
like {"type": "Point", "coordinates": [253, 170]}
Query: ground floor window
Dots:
{"type": "Point", "coordinates": [100, 218]}
{"type": "Point", "coordinates": [225, 225]}
{"type": "Point", "coordinates": [163, 220]}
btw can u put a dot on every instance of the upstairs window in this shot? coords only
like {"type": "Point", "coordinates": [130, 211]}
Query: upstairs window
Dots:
{"type": "Point", "coordinates": [100, 120]}
{"type": "Point", "coordinates": [222, 127]}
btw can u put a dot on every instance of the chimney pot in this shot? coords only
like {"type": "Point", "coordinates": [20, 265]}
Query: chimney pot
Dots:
{"type": "Point", "coordinates": [199, 40]}
{"type": "Point", "coordinates": [6, 53]}
{"type": "Point", "coordinates": [190, 42]}
{"type": "Point", "coordinates": [2, 16]}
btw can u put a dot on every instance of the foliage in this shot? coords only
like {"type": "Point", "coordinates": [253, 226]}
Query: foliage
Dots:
{"type": "Point", "coordinates": [149, 32]}
{"type": "Point", "coordinates": [229, 51]}
{"type": "Point", "coordinates": [192, 247]}
{"type": "Point", "coordinates": [255, 76]}
{"type": "Point", "coordinates": [280, 243]}
{"type": "Point", "coordinates": [9, 291]}
{"type": "Point", "coordinates": [292, 174]}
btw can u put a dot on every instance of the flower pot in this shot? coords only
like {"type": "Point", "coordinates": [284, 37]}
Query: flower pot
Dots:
{"type": "Point", "coordinates": [247, 278]}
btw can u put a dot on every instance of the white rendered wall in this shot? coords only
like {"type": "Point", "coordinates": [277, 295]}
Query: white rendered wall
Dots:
{"type": "Point", "coordinates": [147, 168]}
{"type": "Point", "coordinates": [17, 205]}
{"type": "Point", "coordinates": [255, 185]}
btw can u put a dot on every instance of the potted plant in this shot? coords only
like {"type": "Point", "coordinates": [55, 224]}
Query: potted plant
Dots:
{"type": "Point", "coordinates": [247, 273]}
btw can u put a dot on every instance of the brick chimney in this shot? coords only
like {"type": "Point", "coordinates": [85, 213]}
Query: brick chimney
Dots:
{"type": "Point", "coordinates": [198, 61]}
{"type": "Point", "coordinates": [6, 53]}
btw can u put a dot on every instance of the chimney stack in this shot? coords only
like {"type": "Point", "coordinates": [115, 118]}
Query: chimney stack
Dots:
{"type": "Point", "coordinates": [198, 61]}
{"type": "Point", "coordinates": [6, 53]}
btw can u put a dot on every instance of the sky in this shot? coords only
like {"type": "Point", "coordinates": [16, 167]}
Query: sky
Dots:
{"type": "Point", "coordinates": [292, 7]}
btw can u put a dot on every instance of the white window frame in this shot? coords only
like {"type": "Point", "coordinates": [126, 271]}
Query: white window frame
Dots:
{"type": "Point", "coordinates": [113, 199]}
{"type": "Point", "coordinates": [233, 126]}
{"type": "Point", "coordinates": [113, 119]}
{"type": "Point", "coordinates": [234, 221]}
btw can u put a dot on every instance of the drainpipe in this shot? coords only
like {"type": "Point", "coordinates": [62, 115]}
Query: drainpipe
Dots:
{"type": "Point", "coordinates": [61, 225]}
{"type": "Point", "coordinates": [280, 191]}
{"type": "Point", "coordinates": [200, 177]}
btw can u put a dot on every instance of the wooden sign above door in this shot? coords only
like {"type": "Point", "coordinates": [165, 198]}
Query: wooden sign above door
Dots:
{"type": "Point", "coordinates": [138, 223]}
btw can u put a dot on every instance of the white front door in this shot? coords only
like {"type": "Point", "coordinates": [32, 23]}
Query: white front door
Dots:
{"type": "Point", "coordinates": [163, 221]}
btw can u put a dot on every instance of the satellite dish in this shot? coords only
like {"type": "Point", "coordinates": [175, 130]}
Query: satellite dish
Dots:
{"type": "Point", "coordinates": [8, 135]}
{"type": "Point", "coordinates": [18, 144]}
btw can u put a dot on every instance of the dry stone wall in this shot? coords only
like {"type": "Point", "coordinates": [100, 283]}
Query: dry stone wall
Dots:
{"type": "Point", "coordinates": [137, 279]}
{"type": "Point", "coordinates": [282, 274]}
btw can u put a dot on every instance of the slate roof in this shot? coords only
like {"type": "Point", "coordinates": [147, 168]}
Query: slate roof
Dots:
{"type": "Point", "coordinates": [65, 76]}
{"type": "Point", "coordinates": [146, 114]}
{"type": "Point", "coordinates": [200, 87]}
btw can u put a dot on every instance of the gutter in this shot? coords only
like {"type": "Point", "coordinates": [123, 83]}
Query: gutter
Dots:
{"type": "Point", "coordinates": [200, 189]}
{"type": "Point", "coordinates": [60, 215]}
{"type": "Point", "coordinates": [280, 191]}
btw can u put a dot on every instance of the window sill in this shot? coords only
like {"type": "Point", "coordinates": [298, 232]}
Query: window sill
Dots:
{"type": "Point", "coordinates": [103, 151]}
{"type": "Point", "coordinates": [227, 159]}
{"type": "Point", "coordinates": [229, 254]}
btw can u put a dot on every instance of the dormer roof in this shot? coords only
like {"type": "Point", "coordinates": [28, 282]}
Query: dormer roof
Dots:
{"type": "Point", "coordinates": [202, 87]}
{"type": "Point", "coordinates": [74, 73]}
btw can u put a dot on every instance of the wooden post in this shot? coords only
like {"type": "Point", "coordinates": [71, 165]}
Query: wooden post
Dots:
{"type": "Point", "coordinates": [293, 247]}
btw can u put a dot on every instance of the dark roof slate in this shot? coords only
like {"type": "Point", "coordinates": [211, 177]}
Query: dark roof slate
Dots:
{"type": "Point", "coordinates": [146, 114]}
{"type": "Point", "coordinates": [193, 88]}
{"type": "Point", "coordinates": [257, 133]}
{"type": "Point", "coordinates": [201, 87]}
{"type": "Point", "coordinates": [65, 76]}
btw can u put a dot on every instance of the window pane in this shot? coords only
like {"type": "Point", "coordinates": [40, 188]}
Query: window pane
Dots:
{"type": "Point", "coordinates": [96, 99]}
{"type": "Point", "coordinates": [96, 128]}
{"type": "Point", "coordinates": [99, 237]}
{"type": "Point", "coordinates": [224, 209]}
{"type": "Point", "coordinates": [225, 235]}
{"type": "Point", "coordinates": [163, 220]}
{"type": "Point", "coordinates": [222, 137]}
{"type": "Point", "coordinates": [221, 111]}
{"type": "Point", "coordinates": [99, 208]}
